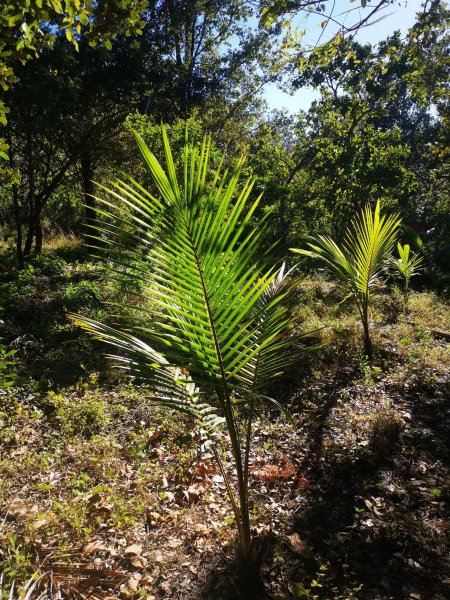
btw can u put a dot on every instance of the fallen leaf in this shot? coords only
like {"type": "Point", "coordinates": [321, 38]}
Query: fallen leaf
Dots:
{"type": "Point", "coordinates": [40, 523]}
{"type": "Point", "coordinates": [153, 518]}
{"type": "Point", "coordinates": [297, 545]}
{"type": "Point", "coordinates": [139, 562]}
{"type": "Point", "coordinates": [205, 469]}
{"type": "Point", "coordinates": [133, 581]}
{"type": "Point", "coordinates": [201, 529]}
{"type": "Point", "coordinates": [194, 492]}
{"type": "Point", "coordinates": [147, 581]}
{"type": "Point", "coordinates": [94, 546]}
{"type": "Point", "coordinates": [94, 499]}
{"type": "Point", "coordinates": [134, 549]}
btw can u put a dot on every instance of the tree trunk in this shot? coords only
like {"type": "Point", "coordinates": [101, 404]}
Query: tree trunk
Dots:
{"type": "Point", "coordinates": [16, 206]}
{"type": "Point", "coordinates": [38, 232]}
{"type": "Point", "coordinates": [34, 233]}
{"type": "Point", "coordinates": [19, 252]}
{"type": "Point", "coordinates": [31, 200]}
{"type": "Point", "coordinates": [87, 174]}
{"type": "Point", "coordinates": [30, 233]}
{"type": "Point", "coordinates": [282, 221]}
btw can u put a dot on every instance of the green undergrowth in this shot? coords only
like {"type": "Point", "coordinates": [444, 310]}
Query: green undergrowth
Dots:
{"type": "Point", "coordinates": [34, 303]}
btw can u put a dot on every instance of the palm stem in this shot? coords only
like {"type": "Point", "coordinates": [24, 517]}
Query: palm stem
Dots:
{"type": "Point", "coordinates": [365, 323]}
{"type": "Point", "coordinates": [223, 395]}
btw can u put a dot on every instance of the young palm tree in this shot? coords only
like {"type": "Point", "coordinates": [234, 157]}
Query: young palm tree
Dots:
{"type": "Point", "coordinates": [407, 265]}
{"type": "Point", "coordinates": [360, 259]}
{"type": "Point", "coordinates": [210, 330]}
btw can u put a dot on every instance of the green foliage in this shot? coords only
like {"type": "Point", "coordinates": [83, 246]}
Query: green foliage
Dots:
{"type": "Point", "coordinates": [150, 131]}
{"type": "Point", "coordinates": [428, 42]}
{"type": "Point", "coordinates": [8, 369]}
{"type": "Point", "coordinates": [80, 293]}
{"type": "Point", "coordinates": [83, 415]}
{"type": "Point", "coordinates": [15, 560]}
{"type": "Point", "coordinates": [360, 259]}
{"type": "Point", "coordinates": [406, 266]}
{"type": "Point", "coordinates": [209, 329]}
{"type": "Point", "coordinates": [372, 134]}
{"type": "Point", "coordinates": [29, 26]}
{"type": "Point", "coordinates": [342, 168]}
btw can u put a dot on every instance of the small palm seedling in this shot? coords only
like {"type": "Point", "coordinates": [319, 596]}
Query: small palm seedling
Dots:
{"type": "Point", "coordinates": [360, 259]}
{"type": "Point", "coordinates": [407, 265]}
{"type": "Point", "coordinates": [209, 331]}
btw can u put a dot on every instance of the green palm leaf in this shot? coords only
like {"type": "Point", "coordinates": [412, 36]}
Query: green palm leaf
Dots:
{"type": "Point", "coordinates": [407, 265]}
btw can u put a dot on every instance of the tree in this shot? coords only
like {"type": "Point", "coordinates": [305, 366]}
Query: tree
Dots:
{"type": "Point", "coordinates": [360, 259]}
{"type": "Point", "coordinates": [428, 52]}
{"type": "Point", "coordinates": [64, 111]}
{"type": "Point", "coordinates": [71, 102]}
{"type": "Point", "coordinates": [342, 21]}
{"type": "Point", "coordinates": [190, 28]}
{"type": "Point", "coordinates": [29, 26]}
{"type": "Point", "coordinates": [369, 136]}
{"type": "Point", "coordinates": [210, 330]}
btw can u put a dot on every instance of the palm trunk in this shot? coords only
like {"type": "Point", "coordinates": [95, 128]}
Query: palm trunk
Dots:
{"type": "Point", "coordinates": [240, 510]}
{"type": "Point", "coordinates": [245, 534]}
{"type": "Point", "coordinates": [365, 322]}
{"type": "Point", "coordinates": [243, 518]}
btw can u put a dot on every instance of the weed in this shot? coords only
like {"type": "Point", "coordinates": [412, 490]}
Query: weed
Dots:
{"type": "Point", "coordinates": [15, 558]}
{"type": "Point", "coordinates": [86, 415]}
{"type": "Point", "coordinates": [321, 586]}
{"type": "Point", "coordinates": [386, 428]}
{"type": "Point", "coordinates": [8, 368]}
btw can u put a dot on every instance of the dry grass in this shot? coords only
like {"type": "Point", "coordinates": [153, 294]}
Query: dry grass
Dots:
{"type": "Point", "coordinates": [66, 241]}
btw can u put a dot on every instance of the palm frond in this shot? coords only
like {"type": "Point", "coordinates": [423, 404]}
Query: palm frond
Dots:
{"type": "Point", "coordinates": [406, 266]}
{"type": "Point", "coordinates": [361, 258]}
{"type": "Point", "coordinates": [367, 244]}
{"type": "Point", "coordinates": [172, 387]}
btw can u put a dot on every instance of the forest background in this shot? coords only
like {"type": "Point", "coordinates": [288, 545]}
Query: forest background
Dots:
{"type": "Point", "coordinates": [378, 130]}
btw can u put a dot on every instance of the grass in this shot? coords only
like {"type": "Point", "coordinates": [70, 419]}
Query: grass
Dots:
{"type": "Point", "coordinates": [104, 495]}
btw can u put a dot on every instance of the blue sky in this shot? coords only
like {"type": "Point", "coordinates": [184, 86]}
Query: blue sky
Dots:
{"type": "Point", "coordinates": [400, 15]}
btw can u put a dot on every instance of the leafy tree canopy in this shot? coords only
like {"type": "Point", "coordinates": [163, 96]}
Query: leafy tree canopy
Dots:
{"type": "Point", "coordinates": [29, 26]}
